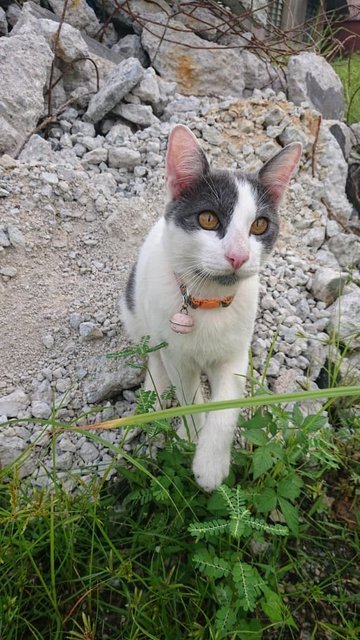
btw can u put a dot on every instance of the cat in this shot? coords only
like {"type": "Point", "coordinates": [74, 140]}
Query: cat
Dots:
{"type": "Point", "coordinates": [195, 286]}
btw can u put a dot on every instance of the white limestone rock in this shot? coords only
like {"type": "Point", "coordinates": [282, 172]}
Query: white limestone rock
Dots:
{"type": "Point", "coordinates": [148, 89]}
{"type": "Point", "coordinates": [25, 62]}
{"type": "Point", "coordinates": [124, 77]}
{"type": "Point", "coordinates": [327, 285]}
{"type": "Point", "coordinates": [141, 114]}
{"type": "Point", "coordinates": [344, 319]}
{"type": "Point", "coordinates": [311, 79]}
{"type": "Point", "coordinates": [78, 14]}
{"type": "Point", "coordinates": [346, 249]}
{"type": "Point", "coordinates": [196, 65]}
{"type": "Point", "coordinates": [14, 403]}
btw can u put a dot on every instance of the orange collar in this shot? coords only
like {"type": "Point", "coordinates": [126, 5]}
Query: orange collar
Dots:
{"type": "Point", "coordinates": [202, 303]}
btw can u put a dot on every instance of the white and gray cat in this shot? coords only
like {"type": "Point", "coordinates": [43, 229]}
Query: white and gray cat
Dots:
{"type": "Point", "coordinates": [195, 285]}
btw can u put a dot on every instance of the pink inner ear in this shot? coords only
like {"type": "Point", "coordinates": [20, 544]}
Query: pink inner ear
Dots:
{"type": "Point", "coordinates": [185, 161]}
{"type": "Point", "coordinates": [276, 174]}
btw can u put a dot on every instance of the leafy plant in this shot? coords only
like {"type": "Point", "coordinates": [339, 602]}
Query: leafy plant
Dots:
{"type": "Point", "coordinates": [241, 586]}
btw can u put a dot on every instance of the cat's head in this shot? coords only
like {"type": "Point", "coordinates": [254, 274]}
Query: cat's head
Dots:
{"type": "Point", "coordinates": [221, 224]}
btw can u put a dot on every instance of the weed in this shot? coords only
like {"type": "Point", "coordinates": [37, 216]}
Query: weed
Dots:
{"type": "Point", "coordinates": [348, 70]}
{"type": "Point", "coordinates": [270, 554]}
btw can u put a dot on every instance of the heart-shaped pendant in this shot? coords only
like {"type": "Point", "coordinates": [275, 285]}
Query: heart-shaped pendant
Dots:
{"type": "Point", "coordinates": [181, 323]}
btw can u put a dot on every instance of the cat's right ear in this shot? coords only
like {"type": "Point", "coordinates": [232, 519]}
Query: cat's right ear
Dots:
{"type": "Point", "coordinates": [185, 161]}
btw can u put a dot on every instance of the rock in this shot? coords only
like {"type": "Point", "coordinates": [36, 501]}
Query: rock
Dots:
{"type": "Point", "coordinates": [346, 248]}
{"type": "Point", "coordinates": [202, 21]}
{"type": "Point", "coordinates": [344, 319]}
{"type": "Point", "coordinates": [342, 135]}
{"type": "Point", "coordinates": [273, 368]}
{"type": "Point", "coordinates": [37, 149]}
{"type": "Point", "coordinates": [257, 9]}
{"type": "Point", "coordinates": [13, 13]}
{"type": "Point", "coordinates": [196, 65]}
{"type": "Point", "coordinates": [16, 237]}
{"type": "Point", "coordinates": [314, 237]}
{"type": "Point", "coordinates": [88, 452]}
{"type": "Point", "coordinates": [120, 81]}
{"type": "Point", "coordinates": [291, 133]}
{"type": "Point", "coordinates": [120, 157]}
{"type": "Point", "coordinates": [286, 382]}
{"type": "Point", "coordinates": [332, 228]}
{"type": "Point", "coordinates": [13, 404]}
{"type": "Point", "coordinates": [118, 134]}
{"type": "Point", "coordinates": [274, 116]}
{"type": "Point", "coordinates": [332, 164]}
{"type": "Point", "coordinates": [353, 185]}
{"type": "Point", "coordinates": [65, 461]}
{"type": "Point", "coordinates": [3, 23]}
{"type": "Point", "coordinates": [40, 409]}
{"type": "Point", "coordinates": [311, 79]}
{"type": "Point", "coordinates": [140, 114]}
{"type": "Point", "coordinates": [8, 271]}
{"type": "Point", "coordinates": [258, 74]}
{"type": "Point", "coordinates": [148, 89]}
{"type": "Point", "coordinates": [96, 156]}
{"type": "Point", "coordinates": [11, 446]}
{"type": "Point", "coordinates": [48, 341]}
{"type": "Point", "coordinates": [325, 258]}
{"type": "Point", "coordinates": [109, 378]}
{"type": "Point", "coordinates": [25, 62]}
{"type": "Point", "coordinates": [78, 14]}
{"type": "Point", "coordinates": [327, 285]}
{"type": "Point", "coordinates": [7, 162]}
{"type": "Point", "coordinates": [70, 46]}
{"type": "Point", "coordinates": [89, 331]}
{"type": "Point", "coordinates": [4, 238]}
{"type": "Point", "coordinates": [130, 47]}
{"type": "Point", "coordinates": [134, 14]}
{"type": "Point", "coordinates": [212, 135]}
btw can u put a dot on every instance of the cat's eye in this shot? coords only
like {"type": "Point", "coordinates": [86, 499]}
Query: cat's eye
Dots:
{"type": "Point", "coordinates": [208, 220]}
{"type": "Point", "coordinates": [259, 226]}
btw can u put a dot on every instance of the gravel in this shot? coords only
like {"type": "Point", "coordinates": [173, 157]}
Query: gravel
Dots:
{"type": "Point", "coordinates": [75, 212]}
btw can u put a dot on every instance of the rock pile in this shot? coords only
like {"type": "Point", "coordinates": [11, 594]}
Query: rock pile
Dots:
{"type": "Point", "coordinates": [76, 206]}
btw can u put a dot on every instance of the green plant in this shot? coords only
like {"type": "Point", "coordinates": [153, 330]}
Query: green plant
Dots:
{"type": "Point", "coordinates": [348, 70]}
{"type": "Point", "coordinates": [150, 555]}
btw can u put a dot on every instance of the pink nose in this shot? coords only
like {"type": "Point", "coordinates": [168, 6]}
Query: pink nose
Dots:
{"type": "Point", "coordinates": [237, 259]}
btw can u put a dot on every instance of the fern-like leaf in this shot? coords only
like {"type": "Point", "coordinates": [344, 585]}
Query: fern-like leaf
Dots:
{"type": "Point", "coordinates": [207, 529]}
{"type": "Point", "coordinates": [226, 493]}
{"type": "Point", "coordinates": [225, 619]}
{"type": "Point", "coordinates": [210, 565]}
{"type": "Point", "coordinates": [261, 525]}
{"type": "Point", "coordinates": [139, 495]}
{"type": "Point", "coordinates": [238, 500]}
{"type": "Point", "coordinates": [248, 583]}
{"type": "Point", "coordinates": [238, 522]}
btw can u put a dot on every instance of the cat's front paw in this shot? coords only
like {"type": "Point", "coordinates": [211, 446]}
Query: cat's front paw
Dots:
{"type": "Point", "coordinates": [210, 468]}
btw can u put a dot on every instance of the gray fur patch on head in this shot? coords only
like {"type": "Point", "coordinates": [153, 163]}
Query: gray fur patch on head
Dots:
{"type": "Point", "coordinates": [265, 209]}
{"type": "Point", "coordinates": [215, 191]}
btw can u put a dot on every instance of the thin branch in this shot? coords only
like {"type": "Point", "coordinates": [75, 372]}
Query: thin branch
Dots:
{"type": "Point", "coordinates": [313, 151]}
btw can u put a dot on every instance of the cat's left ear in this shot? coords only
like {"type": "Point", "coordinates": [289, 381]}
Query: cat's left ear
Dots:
{"type": "Point", "coordinates": [185, 161]}
{"type": "Point", "coordinates": [276, 173]}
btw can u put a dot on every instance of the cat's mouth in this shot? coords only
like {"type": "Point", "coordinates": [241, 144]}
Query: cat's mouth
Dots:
{"type": "Point", "coordinates": [228, 279]}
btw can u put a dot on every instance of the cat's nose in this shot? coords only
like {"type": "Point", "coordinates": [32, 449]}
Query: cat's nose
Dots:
{"type": "Point", "coordinates": [237, 259]}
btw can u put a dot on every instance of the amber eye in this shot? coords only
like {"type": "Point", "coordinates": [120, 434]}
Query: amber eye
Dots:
{"type": "Point", "coordinates": [208, 220]}
{"type": "Point", "coordinates": [259, 226]}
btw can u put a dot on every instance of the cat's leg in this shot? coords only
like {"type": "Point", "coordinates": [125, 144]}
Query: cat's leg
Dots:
{"type": "Point", "coordinates": [186, 381]}
{"type": "Point", "coordinates": [212, 458]}
{"type": "Point", "coordinates": [156, 378]}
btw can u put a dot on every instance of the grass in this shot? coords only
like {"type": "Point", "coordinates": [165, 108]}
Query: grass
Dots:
{"type": "Point", "coordinates": [271, 554]}
{"type": "Point", "coordinates": [348, 69]}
